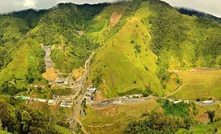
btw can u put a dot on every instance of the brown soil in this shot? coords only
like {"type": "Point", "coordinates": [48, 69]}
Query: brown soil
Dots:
{"type": "Point", "coordinates": [76, 73]}
{"type": "Point", "coordinates": [114, 18]}
{"type": "Point", "coordinates": [203, 118]}
{"type": "Point", "coordinates": [50, 74]}
{"type": "Point", "coordinates": [99, 97]}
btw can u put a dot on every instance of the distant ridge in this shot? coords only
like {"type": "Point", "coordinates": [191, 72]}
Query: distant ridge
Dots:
{"type": "Point", "coordinates": [192, 12]}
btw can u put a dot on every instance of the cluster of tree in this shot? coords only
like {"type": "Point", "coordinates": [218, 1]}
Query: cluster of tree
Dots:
{"type": "Point", "coordinates": [11, 89]}
{"type": "Point", "coordinates": [31, 16]}
{"type": "Point", "coordinates": [24, 120]}
{"type": "Point", "coordinates": [147, 91]}
{"type": "Point", "coordinates": [4, 57]}
{"type": "Point", "coordinates": [97, 80]}
{"type": "Point", "coordinates": [180, 109]}
{"type": "Point", "coordinates": [157, 123]}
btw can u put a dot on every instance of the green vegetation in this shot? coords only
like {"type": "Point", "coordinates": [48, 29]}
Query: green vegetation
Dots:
{"type": "Point", "coordinates": [210, 128]}
{"type": "Point", "coordinates": [62, 130]}
{"type": "Point", "coordinates": [11, 32]}
{"type": "Point", "coordinates": [123, 67]}
{"type": "Point", "coordinates": [156, 123]}
{"type": "Point", "coordinates": [152, 39]}
{"type": "Point", "coordinates": [114, 119]}
{"type": "Point", "coordinates": [180, 109]}
{"type": "Point", "coordinates": [141, 47]}
{"type": "Point", "coordinates": [26, 66]}
{"type": "Point", "coordinates": [24, 33]}
{"type": "Point", "coordinates": [136, 43]}
{"type": "Point", "coordinates": [175, 116]}
{"type": "Point", "coordinates": [23, 119]}
{"type": "Point", "coordinates": [202, 84]}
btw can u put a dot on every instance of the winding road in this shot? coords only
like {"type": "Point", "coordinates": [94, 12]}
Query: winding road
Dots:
{"type": "Point", "coordinates": [80, 96]}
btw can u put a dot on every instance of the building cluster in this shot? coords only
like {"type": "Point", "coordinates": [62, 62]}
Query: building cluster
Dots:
{"type": "Point", "coordinates": [90, 93]}
{"type": "Point", "coordinates": [63, 103]}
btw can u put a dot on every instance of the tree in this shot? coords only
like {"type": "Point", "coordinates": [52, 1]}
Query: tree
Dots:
{"type": "Point", "coordinates": [1, 125]}
{"type": "Point", "coordinates": [6, 117]}
{"type": "Point", "coordinates": [211, 115]}
{"type": "Point", "coordinates": [26, 120]}
{"type": "Point", "coordinates": [83, 103]}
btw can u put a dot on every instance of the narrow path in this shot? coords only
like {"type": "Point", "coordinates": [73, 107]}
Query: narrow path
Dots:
{"type": "Point", "coordinates": [178, 89]}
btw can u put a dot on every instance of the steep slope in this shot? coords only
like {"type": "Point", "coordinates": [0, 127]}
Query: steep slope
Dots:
{"type": "Point", "coordinates": [26, 66]}
{"type": "Point", "coordinates": [183, 42]}
{"type": "Point", "coordinates": [125, 63]}
{"type": "Point", "coordinates": [61, 27]}
{"type": "Point", "coordinates": [11, 31]}
{"type": "Point", "coordinates": [150, 39]}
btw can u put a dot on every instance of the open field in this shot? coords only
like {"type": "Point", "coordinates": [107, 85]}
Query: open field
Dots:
{"type": "Point", "coordinates": [200, 84]}
{"type": "Point", "coordinates": [113, 119]}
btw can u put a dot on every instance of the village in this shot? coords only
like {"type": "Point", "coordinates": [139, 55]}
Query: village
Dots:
{"type": "Point", "coordinates": [62, 101]}
{"type": "Point", "coordinates": [65, 102]}
{"type": "Point", "coordinates": [90, 92]}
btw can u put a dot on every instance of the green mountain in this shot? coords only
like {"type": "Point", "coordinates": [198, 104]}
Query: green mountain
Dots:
{"type": "Point", "coordinates": [149, 39]}
{"type": "Point", "coordinates": [24, 33]}
{"type": "Point", "coordinates": [136, 44]}
{"type": "Point", "coordinates": [140, 47]}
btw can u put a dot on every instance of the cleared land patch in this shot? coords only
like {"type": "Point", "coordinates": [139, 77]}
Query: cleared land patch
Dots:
{"type": "Point", "coordinates": [115, 18]}
{"type": "Point", "coordinates": [50, 74]}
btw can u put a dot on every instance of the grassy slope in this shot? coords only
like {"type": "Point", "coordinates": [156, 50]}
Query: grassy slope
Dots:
{"type": "Point", "coordinates": [24, 64]}
{"type": "Point", "coordinates": [121, 65]}
{"type": "Point", "coordinates": [11, 31]}
{"type": "Point", "coordinates": [183, 41]}
{"type": "Point", "coordinates": [200, 84]}
{"type": "Point", "coordinates": [114, 119]}
{"type": "Point", "coordinates": [168, 40]}
{"type": "Point", "coordinates": [62, 130]}
{"type": "Point", "coordinates": [207, 128]}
